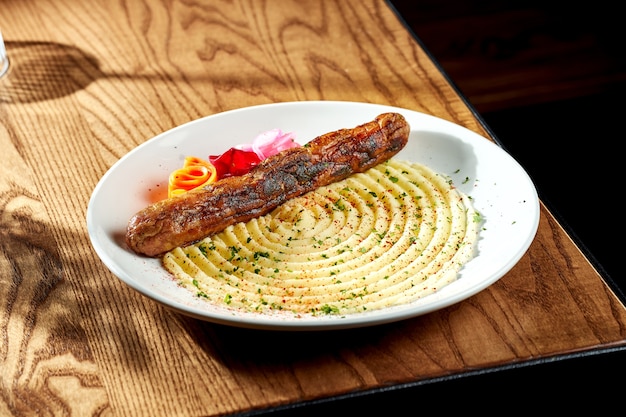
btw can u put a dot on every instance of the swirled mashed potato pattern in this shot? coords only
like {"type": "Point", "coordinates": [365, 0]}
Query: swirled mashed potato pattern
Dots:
{"type": "Point", "coordinates": [385, 237]}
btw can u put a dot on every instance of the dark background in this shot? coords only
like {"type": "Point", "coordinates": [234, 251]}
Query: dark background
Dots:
{"type": "Point", "coordinates": [549, 80]}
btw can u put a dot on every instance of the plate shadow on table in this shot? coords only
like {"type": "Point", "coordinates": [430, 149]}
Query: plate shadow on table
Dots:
{"type": "Point", "coordinates": [561, 387]}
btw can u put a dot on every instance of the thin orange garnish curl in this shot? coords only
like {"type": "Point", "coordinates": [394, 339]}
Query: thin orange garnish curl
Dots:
{"type": "Point", "coordinates": [195, 173]}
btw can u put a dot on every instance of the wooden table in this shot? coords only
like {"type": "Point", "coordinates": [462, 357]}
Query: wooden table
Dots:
{"type": "Point", "coordinates": [91, 80]}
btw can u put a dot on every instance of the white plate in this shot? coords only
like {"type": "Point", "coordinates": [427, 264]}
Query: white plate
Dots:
{"type": "Point", "coordinates": [501, 191]}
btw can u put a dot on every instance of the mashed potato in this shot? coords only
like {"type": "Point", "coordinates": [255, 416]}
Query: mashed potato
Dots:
{"type": "Point", "coordinates": [389, 236]}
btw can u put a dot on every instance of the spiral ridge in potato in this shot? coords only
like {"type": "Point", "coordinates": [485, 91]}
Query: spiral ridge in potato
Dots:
{"type": "Point", "coordinates": [386, 237]}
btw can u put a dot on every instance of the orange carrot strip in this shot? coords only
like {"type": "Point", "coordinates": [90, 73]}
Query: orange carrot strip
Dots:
{"type": "Point", "coordinates": [195, 173]}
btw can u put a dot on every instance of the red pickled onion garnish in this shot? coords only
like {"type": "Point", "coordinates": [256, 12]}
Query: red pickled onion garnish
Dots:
{"type": "Point", "coordinates": [241, 159]}
{"type": "Point", "coordinates": [271, 142]}
{"type": "Point", "coordinates": [234, 162]}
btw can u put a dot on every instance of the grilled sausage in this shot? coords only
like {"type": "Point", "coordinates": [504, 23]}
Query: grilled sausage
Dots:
{"type": "Point", "coordinates": [331, 157]}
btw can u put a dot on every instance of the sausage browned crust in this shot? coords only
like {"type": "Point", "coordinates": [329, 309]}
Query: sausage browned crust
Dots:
{"type": "Point", "coordinates": [194, 215]}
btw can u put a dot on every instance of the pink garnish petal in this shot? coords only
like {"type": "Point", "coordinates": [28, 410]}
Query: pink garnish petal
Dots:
{"type": "Point", "coordinates": [272, 142]}
{"type": "Point", "coordinates": [240, 159]}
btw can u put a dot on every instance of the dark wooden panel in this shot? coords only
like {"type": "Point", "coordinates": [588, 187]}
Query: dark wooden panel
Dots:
{"type": "Point", "coordinates": [511, 54]}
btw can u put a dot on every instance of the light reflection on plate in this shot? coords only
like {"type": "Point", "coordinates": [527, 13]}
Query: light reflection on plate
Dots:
{"type": "Point", "coordinates": [500, 189]}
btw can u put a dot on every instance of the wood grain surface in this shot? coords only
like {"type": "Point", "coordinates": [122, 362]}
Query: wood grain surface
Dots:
{"type": "Point", "coordinates": [91, 80]}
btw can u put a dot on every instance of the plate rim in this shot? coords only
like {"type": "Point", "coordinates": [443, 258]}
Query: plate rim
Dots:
{"type": "Point", "coordinates": [269, 322]}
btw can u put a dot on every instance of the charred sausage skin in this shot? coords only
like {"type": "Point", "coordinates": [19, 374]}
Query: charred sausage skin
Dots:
{"type": "Point", "coordinates": [331, 157]}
